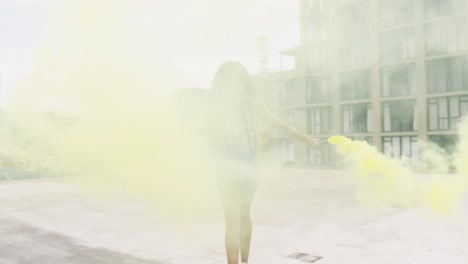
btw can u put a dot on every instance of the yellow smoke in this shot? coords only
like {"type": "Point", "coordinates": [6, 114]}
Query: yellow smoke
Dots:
{"type": "Point", "coordinates": [433, 158]}
{"type": "Point", "coordinates": [383, 181]}
{"type": "Point", "coordinates": [96, 69]}
{"type": "Point", "coordinates": [124, 134]}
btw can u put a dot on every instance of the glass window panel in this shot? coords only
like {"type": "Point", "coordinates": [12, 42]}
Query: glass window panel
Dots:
{"type": "Point", "coordinates": [325, 120]}
{"type": "Point", "coordinates": [454, 107]}
{"type": "Point", "coordinates": [433, 117]}
{"type": "Point", "coordinates": [414, 151]}
{"type": "Point", "coordinates": [396, 12]}
{"type": "Point", "coordinates": [325, 90]}
{"type": "Point", "coordinates": [388, 149]}
{"type": "Point", "coordinates": [412, 82]}
{"type": "Point", "coordinates": [398, 80]}
{"type": "Point", "coordinates": [441, 82]}
{"type": "Point", "coordinates": [346, 120]}
{"type": "Point", "coordinates": [387, 122]}
{"type": "Point", "coordinates": [453, 122]}
{"type": "Point", "coordinates": [455, 75]}
{"type": "Point", "coordinates": [369, 119]}
{"type": "Point", "coordinates": [443, 107]}
{"type": "Point", "coordinates": [386, 84]}
{"type": "Point", "coordinates": [311, 121]}
{"type": "Point", "coordinates": [415, 117]}
{"type": "Point", "coordinates": [464, 107]}
{"type": "Point", "coordinates": [396, 146]}
{"type": "Point", "coordinates": [318, 121]}
{"type": "Point", "coordinates": [443, 123]}
{"type": "Point", "coordinates": [451, 29]}
{"type": "Point", "coordinates": [437, 8]}
{"type": "Point", "coordinates": [462, 35]}
{"type": "Point", "coordinates": [431, 77]}
{"type": "Point", "coordinates": [406, 146]}
{"type": "Point", "coordinates": [397, 45]}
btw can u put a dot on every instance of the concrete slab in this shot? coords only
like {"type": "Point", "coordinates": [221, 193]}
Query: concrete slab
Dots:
{"type": "Point", "coordinates": [22, 243]}
{"type": "Point", "coordinates": [313, 212]}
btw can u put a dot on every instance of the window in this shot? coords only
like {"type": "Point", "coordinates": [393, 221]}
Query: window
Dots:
{"type": "Point", "coordinates": [357, 118]}
{"type": "Point", "coordinates": [319, 120]}
{"type": "Point", "coordinates": [288, 117]}
{"type": "Point", "coordinates": [437, 8]}
{"type": "Point", "coordinates": [354, 53]}
{"type": "Point", "coordinates": [355, 85]}
{"type": "Point", "coordinates": [446, 142]}
{"type": "Point", "coordinates": [396, 12]}
{"type": "Point", "coordinates": [404, 146]}
{"type": "Point", "coordinates": [445, 112]}
{"type": "Point", "coordinates": [398, 80]}
{"type": "Point", "coordinates": [316, 4]}
{"type": "Point", "coordinates": [317, 58]}
{"type": "Point", "coordinates": [400, 116]}
{"type": "Point", "coordinates": [318, 90]}
{"type": "Point", "coordinates": [447, 75]}
{"type": "Point", "coordinates": [446, 37]}
{"type": "Point", "coordinates": [316, 26]}
{"type": "Point", "coordinates": [354, 19]}
{"type": "Point", "coordinates": [287, 150]}
{"type": "Point", "coordinates": [286, 92]}
{"type": "Point", "coordinates": [316, 31]}
{"type": "Point", "coordinates": [397, 45]}
{"type": "Point", "coordinates": [322, 156]}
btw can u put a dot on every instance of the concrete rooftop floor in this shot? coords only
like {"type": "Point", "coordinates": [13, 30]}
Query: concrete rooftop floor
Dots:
{"type": "Point", "coordinates": [314, 212]}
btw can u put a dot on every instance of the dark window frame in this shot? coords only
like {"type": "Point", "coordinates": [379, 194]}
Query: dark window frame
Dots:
{"type": "Point", "coordinates": [452, 121]}
{"type": "Point", "coordinates": [326, 112]}
{"type": "Point", "coordinates": [396, 121]}
{"type": "Point", "coordinates": [410, 71]}
{"type": "Point", "coordinates": [354, 125]}
{"type": "Point", "coordinates": [357, 83]}
{"type": "Point", "coordinates": [447, 67]}
{"type": "Point", "coordinates": [319, 92]}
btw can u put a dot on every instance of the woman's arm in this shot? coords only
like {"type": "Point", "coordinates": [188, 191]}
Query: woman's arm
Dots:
{"type": "Point", "coordinates": [291, 131]}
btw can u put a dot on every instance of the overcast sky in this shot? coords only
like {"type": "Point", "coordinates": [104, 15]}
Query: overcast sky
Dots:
{"type": "Point", "coordinates": [193, 37]}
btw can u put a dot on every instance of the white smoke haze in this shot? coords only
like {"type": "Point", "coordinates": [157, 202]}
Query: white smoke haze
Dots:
{"type": "Point", "coordinates": [461, 153]}
{"type": "Point", "coordinates": [432, 158]}
{"type": "Point", "coordinates": [112, 67]}
{"type": "Point", "coordinates": [118, 103]}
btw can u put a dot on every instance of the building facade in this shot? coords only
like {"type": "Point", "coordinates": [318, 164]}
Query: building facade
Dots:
{"type": "Point", "coordinates": [388, 72]}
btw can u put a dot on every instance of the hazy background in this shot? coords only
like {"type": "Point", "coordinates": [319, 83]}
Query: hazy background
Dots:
{"type": "Point", "coordinates": [191, 38]}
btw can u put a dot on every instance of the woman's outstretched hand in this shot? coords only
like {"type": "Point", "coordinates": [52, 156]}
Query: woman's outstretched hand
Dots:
{"type": "Point", "coordinates": [313, 142]}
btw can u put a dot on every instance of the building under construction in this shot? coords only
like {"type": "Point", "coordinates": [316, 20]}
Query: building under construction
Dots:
{"type": "Point", "coordinates": [388, 72]}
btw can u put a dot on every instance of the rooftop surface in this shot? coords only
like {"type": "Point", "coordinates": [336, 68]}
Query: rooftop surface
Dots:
{"type": "Point", "coordinates": [298, 214]}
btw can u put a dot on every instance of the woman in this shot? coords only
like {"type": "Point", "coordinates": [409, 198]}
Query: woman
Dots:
{"type": "Point", "coordinates": [236, 142]}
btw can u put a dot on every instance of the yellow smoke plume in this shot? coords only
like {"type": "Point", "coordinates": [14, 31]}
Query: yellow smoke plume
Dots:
{"type": "Point", "coordinates": [124, 134]}
{"type": "Point", "coordinates": [383, 181]}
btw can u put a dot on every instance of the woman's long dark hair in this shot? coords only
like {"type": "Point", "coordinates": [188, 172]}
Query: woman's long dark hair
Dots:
{"type": "Point", "coordinates": [233, 78]}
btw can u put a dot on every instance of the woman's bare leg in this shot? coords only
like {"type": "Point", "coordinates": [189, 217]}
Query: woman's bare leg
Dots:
{"type": "Point", "coordinates": [237, 195]}
{"type": "Point", "coordinates": [230, 197]}
{"type": "Point", "coordinates": [246, 221]}
{"type": "Point", "coordinates": [245, 233]}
